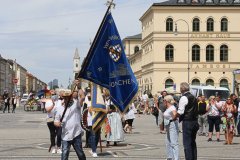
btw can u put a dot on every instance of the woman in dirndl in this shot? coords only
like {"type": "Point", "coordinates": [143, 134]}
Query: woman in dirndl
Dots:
{"type": "Point", "coordinates": [228, 120]}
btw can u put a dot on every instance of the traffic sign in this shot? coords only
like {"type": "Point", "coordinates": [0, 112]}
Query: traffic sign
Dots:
{"type": "Point", "coordinates": [15, 80]}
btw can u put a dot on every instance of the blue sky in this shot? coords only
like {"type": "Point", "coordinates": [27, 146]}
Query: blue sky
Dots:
{"type": "Point", "coordinates": [42, 35]}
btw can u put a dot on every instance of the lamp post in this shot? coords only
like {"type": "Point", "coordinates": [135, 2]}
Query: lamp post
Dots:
{"type": "Point", "coordinates": [175, 33]}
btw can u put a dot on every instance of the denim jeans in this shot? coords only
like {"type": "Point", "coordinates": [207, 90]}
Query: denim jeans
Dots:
{"type": "Point", "coordinates": [93, 139]}
{"type": "Point", "coordinates": [190, 129]}
{"type": "Point", "coordinates": [77, 145]}
{"type": "Point", "coordinates": [172, 146]}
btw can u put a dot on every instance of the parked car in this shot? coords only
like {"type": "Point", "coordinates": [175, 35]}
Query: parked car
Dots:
{"type": "Point", "coordinates": [24, 98]}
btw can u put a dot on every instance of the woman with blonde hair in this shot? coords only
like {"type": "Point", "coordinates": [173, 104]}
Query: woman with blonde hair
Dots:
{"type": "Point", "coordinates": [172, 146]}
{"type": "Point", "coordinates": [228, 120]}
{"type": "Point", "coordinates": [213, 118]}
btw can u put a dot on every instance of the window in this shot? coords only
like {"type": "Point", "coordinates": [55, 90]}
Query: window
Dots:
{"type": "Point", "coordinates": [224, 83]}
{"type": "Point", "coordinates": [196, 82]}
{"type": "Point", "coordinates": [224, 25]}
{"type": "Point", "coordinates": [76, 65]}
{"type": "Point", "coordinates": [196, 26]}
{"type": "Point", "coordinates": [210, 25]}
{"type": "Point", "coordinates": [168, 83]}
{"type": "Point", "coordinates": [169, 25]}
{"type": "Point", "coordinates": [195, 53]}
{"type": "Point", "coordinates": [136, 49]}
{"type": "Point", "coordinates": [209, 53]}
{"type": "Point", "coordinates": [169, 53]}
{"type": "Point", "coordinates": [224, 53]}
{"type": "Point", "coordinates": [210, 82]}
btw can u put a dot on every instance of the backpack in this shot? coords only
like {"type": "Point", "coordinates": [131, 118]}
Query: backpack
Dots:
{"type": "Point", "coordinates": [155, 111]}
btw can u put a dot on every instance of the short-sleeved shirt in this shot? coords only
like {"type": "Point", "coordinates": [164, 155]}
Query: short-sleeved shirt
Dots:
{"type": "Point", "coordinates": [71, 126]}
{"type": "Point", "coordinates": [48, 104]}
{"type": "Point", "coordinates": [168, 113]}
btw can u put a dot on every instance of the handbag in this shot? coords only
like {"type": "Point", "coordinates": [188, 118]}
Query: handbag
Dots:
{"type": "Point", "coordinates": [155, 111]}
{"type": "Point", "coordinates": [50, 119]}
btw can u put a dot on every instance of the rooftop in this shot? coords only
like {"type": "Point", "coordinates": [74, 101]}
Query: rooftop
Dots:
{"type": "Point", "coordinates": [211, 3]}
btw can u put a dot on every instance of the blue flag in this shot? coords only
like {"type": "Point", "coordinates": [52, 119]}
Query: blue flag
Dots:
{"type": "Point", "coordinates": [107, 65]}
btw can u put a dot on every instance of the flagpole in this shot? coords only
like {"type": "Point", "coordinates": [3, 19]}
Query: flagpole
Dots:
{"type": "Point", "coordinates": [67, 102]}
{"type": "Point", "coordinates": [85, 61]}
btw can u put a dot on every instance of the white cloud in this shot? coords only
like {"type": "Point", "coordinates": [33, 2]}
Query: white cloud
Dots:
{"type": "Point", "coordinates": [43, 34]}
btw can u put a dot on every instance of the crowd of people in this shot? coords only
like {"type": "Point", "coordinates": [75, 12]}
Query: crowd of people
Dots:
{"type": "Point", "coordinates": [9, 101]}
{"type": "Point", "coordinates": [196, 115]}
{"type": "Point", "coordinates": [187, 114]}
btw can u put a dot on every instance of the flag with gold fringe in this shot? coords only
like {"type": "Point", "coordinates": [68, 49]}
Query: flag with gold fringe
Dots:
{"type": "Point", "coordinates": [98, 107]}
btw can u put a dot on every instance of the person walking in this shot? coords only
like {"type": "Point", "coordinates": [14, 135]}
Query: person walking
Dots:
{"type": "Point", "coordinates": [145, 102]}
{"type": "Point", "coordinates": [161, 110]}
{"type": "Point", "coordinates": [6, 99]}
{"type": "Point", "coordinates": [213, 118]}
{"type": "Point", "coordinates": [14, 102]}
{"type": "Point", "coordinates": [50, 107]}
{"type": "Point", "coordinates": [187, 112]}
{"type": "Point", "coordinates": [129, 117]}
{"type": "Point", "coordinates": [172, 130]}
{"type": "Point", "coordinates": [115, 134]}
{"type": "Point", "coordinates": [229, 109]}
{"type": "Point", "coordinates": [202, 119]}
{"type": "Point", "coordinates": [71, 127]}
{"type": "Point", "coordinates": [155, 109]}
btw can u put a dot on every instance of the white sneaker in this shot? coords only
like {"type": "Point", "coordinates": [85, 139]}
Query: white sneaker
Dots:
{"type": "Point", "coordinates": [53, 151]}
{"type": "Point", "coordinates": [59, 151]}
{"type": "Point", "coordinates": [94, 155]}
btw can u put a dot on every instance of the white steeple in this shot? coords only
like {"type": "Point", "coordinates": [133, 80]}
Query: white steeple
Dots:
{"type": "Point", "coordinates": [76, 64]}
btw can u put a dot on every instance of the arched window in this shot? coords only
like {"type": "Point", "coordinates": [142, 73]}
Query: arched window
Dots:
{"type": "Point", "coordinates": [168, 83]}
{"type": "Point", "coordinates": [136, 49]}
{"type": "Point", "coordinates": [210, 82]}
{"type": "Point", "coordinates": [224, 53]}
{"type": "Point", "coordinates": [224, 25]}
{"type": "Point", "coordinates": [196, 26]}
{"type": "Point", "coordinates": [196, 82]}
{"type": "Point", "coordinates": [224, 83]}
{"type": "Point", "coordinates": [169, 53]}
{"type": "Point", "coordinates": [210, 25]}
{"type": "Point", "coordinates": [195, 53]}
{"type": "Point", "coordinates": [209, 53]}
{"type": "Point", "coordinates": [169, 25]}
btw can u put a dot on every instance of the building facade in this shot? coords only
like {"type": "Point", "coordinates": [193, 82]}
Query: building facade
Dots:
{"type": "Point", "coordinates": [186, 41]}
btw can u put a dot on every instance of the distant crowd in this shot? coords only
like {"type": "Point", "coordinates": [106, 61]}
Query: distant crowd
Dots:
{"type": "Point", "coordinates": [196, 115]}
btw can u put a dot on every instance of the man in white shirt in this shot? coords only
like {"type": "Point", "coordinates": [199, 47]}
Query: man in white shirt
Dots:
{"type": "Point", "coordinates": [71, 128]}
{"type": "Point", "coordinates": [187, 111]}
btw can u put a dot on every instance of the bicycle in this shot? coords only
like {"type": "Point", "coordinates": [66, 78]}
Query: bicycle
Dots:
{"type": "Point", "coordinates": [31, 105]}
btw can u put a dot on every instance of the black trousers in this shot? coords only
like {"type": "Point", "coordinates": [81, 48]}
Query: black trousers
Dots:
{"type": "Point", "coordinates": [54, 132]}
{"type": "Point", "coordinates": [14, 107]}
{"type": "Point", "coordinates": [7, 105]}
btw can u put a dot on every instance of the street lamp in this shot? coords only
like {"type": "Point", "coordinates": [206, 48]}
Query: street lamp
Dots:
{"type": "Point", "coordinates": [175, 33]}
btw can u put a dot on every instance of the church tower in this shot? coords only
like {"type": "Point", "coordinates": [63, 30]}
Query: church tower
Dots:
{"type": "Point", "coordinates": [76, 64]}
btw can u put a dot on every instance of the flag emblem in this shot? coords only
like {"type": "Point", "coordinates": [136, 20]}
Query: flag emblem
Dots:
{"type": "Point", "coordinates": [115, 52]}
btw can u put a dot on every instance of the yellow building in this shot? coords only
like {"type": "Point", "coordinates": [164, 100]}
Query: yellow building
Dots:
{"type": "Point", "coordinates": [186, 41]}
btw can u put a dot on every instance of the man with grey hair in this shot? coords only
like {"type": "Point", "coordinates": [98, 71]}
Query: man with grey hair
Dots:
{"type": "Point", "coordinates": [187, 112]}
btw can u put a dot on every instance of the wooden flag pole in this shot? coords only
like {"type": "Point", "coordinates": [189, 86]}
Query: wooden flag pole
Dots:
{"type": "Point", "coordinates": [68, 102]}
{"type": "Point", "coordinates": [100, 140]}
